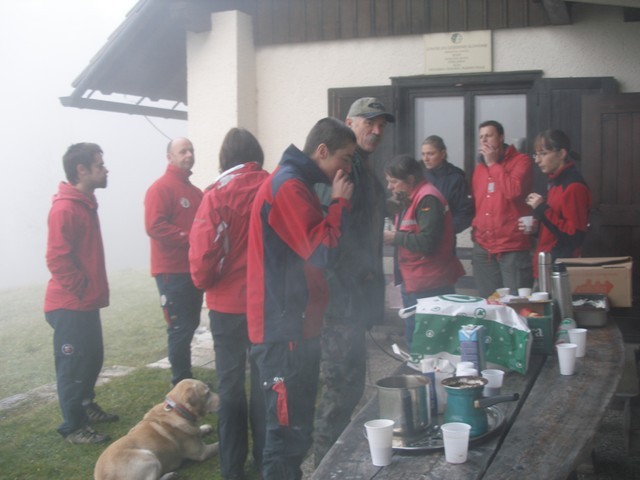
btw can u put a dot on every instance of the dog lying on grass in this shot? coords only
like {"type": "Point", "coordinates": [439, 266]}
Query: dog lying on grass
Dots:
{"type": "Point", "coordinates": [166, 436]}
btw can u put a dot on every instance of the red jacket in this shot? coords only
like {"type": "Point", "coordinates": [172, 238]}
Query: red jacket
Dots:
{"type": "Point", "coordinates": [499, 193]}
{"type": "Point", "coordinates": [564, 217]}
{"type": "Point", "coordinates": [218, 238]}
{"type": "Point", "coordinates": [441, 268]}
{"type": "Point", "coordinates": [75, 254]}
{"type": "Point", "coordinates": [170, 204]}
{"type": "Point", "coordinates": [290, 243]}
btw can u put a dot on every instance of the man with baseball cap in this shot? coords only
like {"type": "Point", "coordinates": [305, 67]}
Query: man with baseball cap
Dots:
{"type": "Point", "coordinates": [356, 281]}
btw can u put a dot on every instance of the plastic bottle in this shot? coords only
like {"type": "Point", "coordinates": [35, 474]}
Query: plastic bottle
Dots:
{"type": "Point", "coordinates": [562, 334]}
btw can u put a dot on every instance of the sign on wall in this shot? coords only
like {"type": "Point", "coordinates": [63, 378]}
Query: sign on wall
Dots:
{"type": "Point", "coordinates": [458, 52]}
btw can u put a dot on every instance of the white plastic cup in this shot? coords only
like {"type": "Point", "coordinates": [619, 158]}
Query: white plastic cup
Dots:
{"type": "Point", "coordinates": [524, 292]}
{"type": "Point", "coordinates": [456, 441]}
{"type": "Point", "coordinates": [539, 296]}
{"type": "Point", "coordinates": [466, 372]}
{"type": "Point", "coordinates": [579, 337]}
{"type": "Point", "coordinates": [567, 358]}
{"type": "Point", "coordinates": [465, 365]}
{"type": "Point", "coordinates": [464, 369]}
{"type": "Point", "coordinates": [380, 435]}
{"type": "Point", "coordinates": [494, 378]}
{"type": "Point", "coordinates": [527, 221]}
{"type": "Point", "coordinates": [503, 292]}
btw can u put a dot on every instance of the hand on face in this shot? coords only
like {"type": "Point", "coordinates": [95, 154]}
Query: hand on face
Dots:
{"type": "Point", "coordinates": [491, 145]}
{"type": "Point", "coordinates": [400, 189]}
{"type": "Point", "coordinates": [342, 186]}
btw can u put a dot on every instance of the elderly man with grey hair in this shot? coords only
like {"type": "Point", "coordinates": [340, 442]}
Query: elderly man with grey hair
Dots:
{"type": "Point", "coordinates": [356, 282]}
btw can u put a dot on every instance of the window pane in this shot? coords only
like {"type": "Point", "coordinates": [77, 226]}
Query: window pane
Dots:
{"type": "Point", "coordinates": [510, 111]}
{"type": "Point", "coordinates": [442, 116]}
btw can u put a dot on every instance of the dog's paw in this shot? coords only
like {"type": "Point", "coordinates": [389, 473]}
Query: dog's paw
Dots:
{"type": "Point", "coordinates": [170, 476]}
{"type": "Point", "coordinates": [206, 430]}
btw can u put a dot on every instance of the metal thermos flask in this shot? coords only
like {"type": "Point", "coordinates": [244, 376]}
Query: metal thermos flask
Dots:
{"type": "Point", "coordinates": [562, 290]}
{"type": "Point", "coordinates": [544, 272]}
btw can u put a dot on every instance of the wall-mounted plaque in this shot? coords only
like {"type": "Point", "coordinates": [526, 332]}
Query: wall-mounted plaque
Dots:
{"type": "Point", "coordinates": [458, 52]}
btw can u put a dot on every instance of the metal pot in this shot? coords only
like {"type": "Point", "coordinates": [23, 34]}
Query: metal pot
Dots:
{"type": "Point", "coordinates": [465, 403]}
{"type": "Point", "coordinates": [405, 400]}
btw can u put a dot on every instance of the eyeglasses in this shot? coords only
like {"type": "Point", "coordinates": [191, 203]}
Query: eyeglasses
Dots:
{"type": "Point", "coordinates": [541, 154]}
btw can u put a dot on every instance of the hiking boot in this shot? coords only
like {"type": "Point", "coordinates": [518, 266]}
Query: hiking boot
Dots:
{"type": "Point", "coordinates": [97, 415]}
{"type": "Point", "coordinates": [86, 436]}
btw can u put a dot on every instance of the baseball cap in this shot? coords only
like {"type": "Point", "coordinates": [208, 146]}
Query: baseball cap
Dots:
{"type": "Point", "coordinates": [369, 107]}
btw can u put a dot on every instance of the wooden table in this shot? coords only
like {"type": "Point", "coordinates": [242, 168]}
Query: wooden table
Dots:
{"type": "Point", "coordinates": [545, 434]}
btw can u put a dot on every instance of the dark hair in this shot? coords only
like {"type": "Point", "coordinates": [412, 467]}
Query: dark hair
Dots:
{"type": "Point", "coordinates": [79, 154]}
{"type": "Point", "coordinates": [492, 123]}
{"type": "Point", "coordinates": [555, 140]}
{"type": "Point", "coordinates": [239, 146]}
{"type": "Point", "coordinates": [332, 132]}
{"type": "Point", "coordinates": [402, 166]}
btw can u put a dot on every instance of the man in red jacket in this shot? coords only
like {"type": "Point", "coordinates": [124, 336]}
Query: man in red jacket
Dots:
{"type": "Point", "coordinates": [170, 206]}
{"type": "Point", "coordinates": [76, 292]}
{"type": "Point", "coordinates": [501, 181]}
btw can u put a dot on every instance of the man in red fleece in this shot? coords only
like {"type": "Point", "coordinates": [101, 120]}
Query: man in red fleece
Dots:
{"type": "Point", "coordinates": [76, 292]}
{"type": "Point", "coordinates": [170, 206]}
{"type": "Point", "coordinates": [501, 181]}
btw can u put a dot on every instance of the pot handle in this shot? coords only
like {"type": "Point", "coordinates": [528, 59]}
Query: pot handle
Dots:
{"type": "Point", "coordinates": [487, 402]}
{"type": "Point", "coordinates": [407, 312]}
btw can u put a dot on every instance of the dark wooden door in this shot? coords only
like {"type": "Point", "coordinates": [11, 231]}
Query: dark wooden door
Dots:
{"type": "Point", "coordinates": [611, 167]}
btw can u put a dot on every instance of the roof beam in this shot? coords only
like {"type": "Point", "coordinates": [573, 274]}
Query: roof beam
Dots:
{"type": "Point", "coordinates": [123, 108]}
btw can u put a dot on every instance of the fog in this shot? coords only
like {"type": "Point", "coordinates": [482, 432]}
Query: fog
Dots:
{"type": "Point", "coordinates": [44, 45]}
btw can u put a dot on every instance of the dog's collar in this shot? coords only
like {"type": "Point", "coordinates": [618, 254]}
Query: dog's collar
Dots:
{"type": "Point", "coordinates": [180, 409]}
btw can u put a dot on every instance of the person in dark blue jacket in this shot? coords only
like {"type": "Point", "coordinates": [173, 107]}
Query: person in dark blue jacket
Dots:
{"type": "Point", "coordinates": [450, 180]}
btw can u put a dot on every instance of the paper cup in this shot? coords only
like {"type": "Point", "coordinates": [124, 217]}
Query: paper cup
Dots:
{"type": "Point", "coordinates": [567, 358]}
{"type": "Point", "coordinates": [503, 292]}
{"type": "Point", "coordinates": [380, 435]}
{"type": "Point", "coordinates": [524, 292]}
{"type": "Point", "coordinates": [494, 382]}
{"type": "Point", "coordinates": [456, 441]}
{"type": "Point", "coordinates": [527, 221]}
{"type": "Point", "coordinates": [579, 337]}
{"type": "Point", "coordinates": [539, 296]}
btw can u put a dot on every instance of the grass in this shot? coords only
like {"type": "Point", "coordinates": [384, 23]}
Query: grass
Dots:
{"type": "Point", "coordinates": [134, 336]}
{"type": "Point", "coordinates": [30, 447]}
{"type": "Point", "coordinates": [133, 328]}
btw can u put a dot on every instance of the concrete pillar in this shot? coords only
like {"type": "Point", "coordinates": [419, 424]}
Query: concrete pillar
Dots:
{"type": "Point", "coordinates": [221, 90]}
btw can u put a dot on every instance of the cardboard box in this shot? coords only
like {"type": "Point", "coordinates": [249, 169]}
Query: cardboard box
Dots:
{"type": "Point", "coordinates": [543, 327]}
{"type": "Point", "coordinates": [610, 276]}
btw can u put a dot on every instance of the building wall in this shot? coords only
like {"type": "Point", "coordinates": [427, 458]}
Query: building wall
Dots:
{"type": "Point", "coordinates": [292, 80]}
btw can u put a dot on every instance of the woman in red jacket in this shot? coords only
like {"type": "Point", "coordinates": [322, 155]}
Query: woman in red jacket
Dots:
{"type": "Point", "coordinates": [218, 262]}
{"type": "Point", "coordinates": [564, 216]}
{"type": "Point", "coordinates": [424, 261]}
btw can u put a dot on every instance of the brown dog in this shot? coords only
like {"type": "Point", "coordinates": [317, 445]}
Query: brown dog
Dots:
{"type": "Point", "coordinates": [167, 435]}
